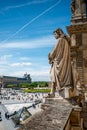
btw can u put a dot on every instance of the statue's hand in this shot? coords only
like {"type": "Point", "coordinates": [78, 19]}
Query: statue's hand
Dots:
{"type": "Point", "coordinates": [49, 58]}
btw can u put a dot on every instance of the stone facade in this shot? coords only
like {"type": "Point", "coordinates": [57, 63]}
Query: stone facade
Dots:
{"type": "Point", "coordinates": [78, 34]}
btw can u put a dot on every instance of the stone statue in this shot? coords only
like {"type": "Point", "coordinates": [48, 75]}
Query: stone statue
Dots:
{"type": "Point", "coordinates": [73, 40]}
{"type": "Point", "coordinates": [73, 6]}
{"type": "Point", "coordinates": [76, 7]}
{"type": "Point", "coordinates": [59, 58]}
{"type": "Point", "coordinates": [84, 6]}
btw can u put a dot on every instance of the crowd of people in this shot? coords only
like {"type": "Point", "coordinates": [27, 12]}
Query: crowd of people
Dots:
{"type": "Point", "coordinates": [19, 96]}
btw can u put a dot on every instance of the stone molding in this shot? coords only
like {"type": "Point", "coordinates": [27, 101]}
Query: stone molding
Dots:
{"type": "Point", "coordinates": [80, 28]}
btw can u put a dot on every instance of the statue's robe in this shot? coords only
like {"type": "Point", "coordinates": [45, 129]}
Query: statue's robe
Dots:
{"type": "Point", "coordinates": [61, 70]}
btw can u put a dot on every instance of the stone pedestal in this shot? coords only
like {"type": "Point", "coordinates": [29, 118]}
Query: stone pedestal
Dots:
{"type": "Point", "coordinates": [75, 119]}
{"type": "Point", "coordinates": [78, 34]}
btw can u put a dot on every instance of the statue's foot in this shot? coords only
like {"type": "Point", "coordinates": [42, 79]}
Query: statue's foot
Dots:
{"type": "Point", "coordinates": [50, 95]}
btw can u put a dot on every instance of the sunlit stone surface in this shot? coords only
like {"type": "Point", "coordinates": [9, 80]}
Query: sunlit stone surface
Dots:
{"type": "Point", "coordinates": [54, 116]}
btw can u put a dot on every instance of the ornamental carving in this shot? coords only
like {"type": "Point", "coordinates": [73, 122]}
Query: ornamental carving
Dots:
{"type": "Point", "coordinates": [75, 7]}
{"type": "Point", "coordinates": [73, 29]}
{"type": "Point", "coordinates": [73, 40]}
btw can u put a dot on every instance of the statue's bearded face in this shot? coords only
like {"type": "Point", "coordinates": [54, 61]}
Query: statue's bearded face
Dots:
{"type": "Point", "coordinates": [56, 35]}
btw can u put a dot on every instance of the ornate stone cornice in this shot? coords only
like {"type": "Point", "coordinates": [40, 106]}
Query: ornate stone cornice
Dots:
{"type": "Point", "coordinates": [79, 28]}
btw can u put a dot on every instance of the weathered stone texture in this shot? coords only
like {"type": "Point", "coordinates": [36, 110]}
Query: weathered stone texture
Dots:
{"type": "Point", "coordinates": [54, 116]}
{"type": "Point", "coordinates": [79, 52]}
{"type": "Point", "coordinates": [84, 39]}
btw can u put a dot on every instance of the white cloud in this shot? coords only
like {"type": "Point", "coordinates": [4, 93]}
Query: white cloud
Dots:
{"type": "Point", "coordinates": [19, 64]}
{"type": "Point", "coordinates": [2, 70]}
{"type": "Point", "coordinates": [34, 43]}
{"type": "Point", "coordinates": [24, 58]}
{"type": "Point", "coordinates": [41, 73]}
{"type": "Point", "coordinates": [17, 67]}
{"type": "Point", "coordinates": [38, 75]}
{"type": "Point", "coordinates": [5, 57]}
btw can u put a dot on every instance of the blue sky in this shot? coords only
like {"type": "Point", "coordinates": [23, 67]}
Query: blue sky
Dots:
{"type": "Point", "coordinates": [26, 35]}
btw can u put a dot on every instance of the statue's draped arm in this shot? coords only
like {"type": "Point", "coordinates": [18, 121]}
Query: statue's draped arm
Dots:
{"type": "Point", "coordinates": [55, 54]}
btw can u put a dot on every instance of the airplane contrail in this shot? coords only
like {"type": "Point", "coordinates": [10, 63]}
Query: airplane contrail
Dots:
{"type": "Point", "coordinates": [24, 26]}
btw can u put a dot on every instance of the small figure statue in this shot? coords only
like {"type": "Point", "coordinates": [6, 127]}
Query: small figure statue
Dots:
{"type": "Point", "coordinates": [73, 40]}
{"type": "Point", "coordinates": [78, 7]}
{"type": "Point", "coordinates": [73, 7]}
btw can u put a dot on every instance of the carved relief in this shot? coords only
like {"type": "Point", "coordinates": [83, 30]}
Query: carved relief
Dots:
{"type": "Point", "coordinates": [84, 3]}
{"type": "Point", "coordinates": [73, 40]}
{"type": "Point", "coordinates": [78, 7]}
{"type": "Point", "coordinates": [75, 7]}
{"type": "Point", "coordinates": [79, 11]}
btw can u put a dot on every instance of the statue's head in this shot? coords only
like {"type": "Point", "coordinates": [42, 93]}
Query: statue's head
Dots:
{"type": "Point", "coordinates": [58, 32]}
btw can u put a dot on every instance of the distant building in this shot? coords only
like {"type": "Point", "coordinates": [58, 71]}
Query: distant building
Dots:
{"type": "Point", "coordinates": [5, 80]}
